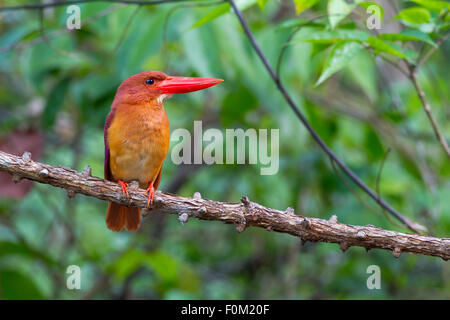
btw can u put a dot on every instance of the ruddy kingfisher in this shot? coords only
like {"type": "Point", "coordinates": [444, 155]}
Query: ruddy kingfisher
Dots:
{"type": "Point", "coordinates": [137, 137]}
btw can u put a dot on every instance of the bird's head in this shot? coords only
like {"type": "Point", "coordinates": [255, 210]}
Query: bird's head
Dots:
{"type": "Point", "coordinates": [155, 86]}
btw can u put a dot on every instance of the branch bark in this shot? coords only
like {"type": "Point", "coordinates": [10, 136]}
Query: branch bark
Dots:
{"type": "Point", "coordinates": [242, 215]}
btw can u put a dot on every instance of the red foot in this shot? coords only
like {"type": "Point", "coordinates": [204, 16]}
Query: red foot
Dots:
{"type": "Point", "coordinates": [151, 192]}
{"type": "Point", "coordinates": [124, 186]}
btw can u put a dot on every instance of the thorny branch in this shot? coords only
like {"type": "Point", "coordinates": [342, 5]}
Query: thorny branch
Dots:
{"type": "Point", "coordinates": [242, 215]}
{"type": "Point", "coordinates": [410, 224]}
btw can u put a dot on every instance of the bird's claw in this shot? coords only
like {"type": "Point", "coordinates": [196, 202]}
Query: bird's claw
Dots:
{"type": "Point", "coordinates": [124, 187]}
{"type": "Point", "coordinates": [150, 191]}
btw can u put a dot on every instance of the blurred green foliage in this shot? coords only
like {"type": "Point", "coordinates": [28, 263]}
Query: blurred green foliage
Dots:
{"type": "Point", "coordinates": [63, 84]}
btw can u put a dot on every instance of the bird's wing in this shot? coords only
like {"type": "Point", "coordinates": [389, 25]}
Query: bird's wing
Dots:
{"type": "Point", "coordinates": [107, 168]}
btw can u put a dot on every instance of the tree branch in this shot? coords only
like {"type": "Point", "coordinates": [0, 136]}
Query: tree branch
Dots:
{"type": "Point", "coordinates": [407, 222]}
{"type": "Point", "coordinates": [242, 215]}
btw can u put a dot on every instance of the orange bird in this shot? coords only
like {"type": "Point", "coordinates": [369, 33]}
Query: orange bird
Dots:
{"type": "Point", "coordinates": [137, 137]}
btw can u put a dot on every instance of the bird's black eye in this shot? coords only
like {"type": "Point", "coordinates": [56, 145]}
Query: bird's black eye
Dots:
{"type": "Point", "coordinates": [150, 81]}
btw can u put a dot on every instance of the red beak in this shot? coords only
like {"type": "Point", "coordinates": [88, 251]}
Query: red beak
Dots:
{"type": "Point", "coordinates": [173, 85]}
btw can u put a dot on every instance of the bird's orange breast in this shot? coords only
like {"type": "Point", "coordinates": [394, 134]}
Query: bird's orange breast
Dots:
{"type": "Point", "coordinates": [138, 140]}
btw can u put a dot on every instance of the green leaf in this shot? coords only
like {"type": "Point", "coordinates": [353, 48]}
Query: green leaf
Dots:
{"type": "Point", "coordinates": [14, 35]}
{"type": "Point", "coordinates": [302, 5]}
{"type": "Point", "coordinates": [221, 10]}
{"type": "Point", "coordinates": [16, 286]}
{"type": "Point", "coordinates": [415, 15]}
{"type": "Point", "coordinates": [408, 35]}
{"type": "Point", "coordinates": [374, 146]}
{"type": "Point", "coordinates": [13, 248]}
{"type": "Point", "coordinates": [55, 102]}
{"type": "Point", "coordinates": [333, 36]}
{"type": "Point", "coordinates": [391, 48]}
{"type": "Point", "coordinates": [297, 22]}
{"type": "Point", "coordinates": [262, 4]}
{"type": "Point", "coordinates": [164, 265]}
{"type": "Point", "coordinates": [341, 54]}
{"type": "Point", "coordinates": [127, 263]}
{"type": "Point", "coordinates": [339, 9]}
{"type": "Point", "coordinates": [444, 27]}
{"type": "Point", "coordinates": [236, 106]}
{"type": "Point", "coordinates": [213, 14]}
{"type": "Point", "coordinates": [161, 263]}
{"type": "Point", "coordinates": [379, 12]}
{"type": "Point", "coordinates": [362, 72]}
{"type": "Point", "coordinates": [433, 5]}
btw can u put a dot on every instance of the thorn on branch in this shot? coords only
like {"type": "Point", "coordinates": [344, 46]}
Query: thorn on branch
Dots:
{"type": "Point", "coordinates": [202, 210]}
{"type": "Point", "coordinates": [16, 178]}
{"type": "Point", "coordinates": [184, 217]}
{"type": "Point", "coordinates": [290, 210]}
{"type": "Point", "coordinates": [333, 219]}
{"type": "Point", "coordinates": [397, 252]}
{"type": "Point", "coordinates": [145, 212]}
{"type": "Point", "coordinates": [157, 200]}
{"type": "Point", "coordinates": [44, 173]}
{"type": "Point", "coordinates": [70, 193]}
{"type": "Point", "coordinates": [241, 227]}
{"type": "Point", "coordinates": [87, 172]}
{"type": "Point", "coordinates": [134, 185]}
{"type": "Point", "coordinates": [248, 205]}
{"type": "Point", "coordinates": [360, 235]}
{"type": "Point", "coordinates": [305, 223]}
{"type": "Point", "coordinates": [245, 201]}
{"type": "Point", "coordinates": [26, 156]}
{"type": "Point", "coordinates": [197, 195]}
{"type": "Point", "coordinates": [344, 246]}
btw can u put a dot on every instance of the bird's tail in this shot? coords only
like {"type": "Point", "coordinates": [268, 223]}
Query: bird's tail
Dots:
{"type": "Point", "coordinates": [118, 216]}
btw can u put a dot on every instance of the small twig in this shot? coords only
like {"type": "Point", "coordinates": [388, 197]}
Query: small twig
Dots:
{"type": "Point", "coordinates": [426, 106]}
{"type": "Point", "coordinates": [428, 54]}
{"type": "Point", "coordinates": [349, 187]}
{"type": "Point", "coordinates": [412, 75]}
{"type": "Point", "coordinates": [395, 65]}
